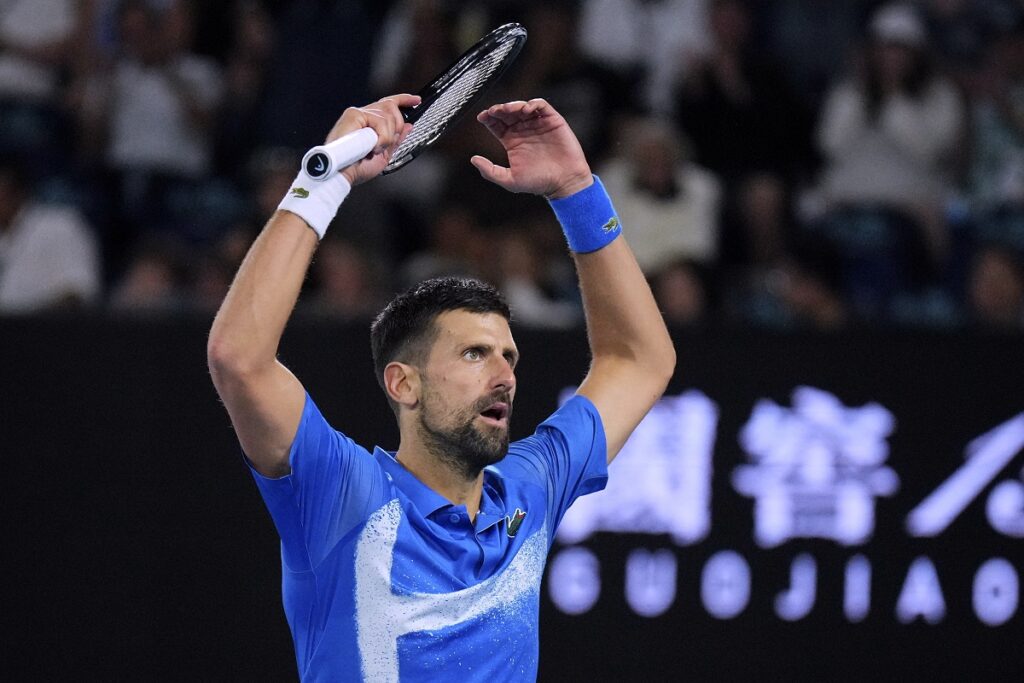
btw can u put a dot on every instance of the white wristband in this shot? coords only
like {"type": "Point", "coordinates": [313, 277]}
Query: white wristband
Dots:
{"type": "Point", "coordinates": [316, 201]}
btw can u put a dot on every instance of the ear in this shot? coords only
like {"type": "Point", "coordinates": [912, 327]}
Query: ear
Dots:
{"type": "Point", "coordinates": [402, 382]}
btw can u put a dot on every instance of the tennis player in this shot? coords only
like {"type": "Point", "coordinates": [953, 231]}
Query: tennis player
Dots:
{"type": "Point", "coordinates": [425, 564]}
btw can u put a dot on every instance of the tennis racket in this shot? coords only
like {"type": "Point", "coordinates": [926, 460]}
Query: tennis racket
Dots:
{"type": "Point", "coordinates": [442, 104]}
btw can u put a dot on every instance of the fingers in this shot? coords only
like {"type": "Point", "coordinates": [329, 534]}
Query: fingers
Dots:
{"type": "Point", "coordinates": [392, 111]}
{"type": "Point", "coordinates": [383, 125]}
{"type": "Point", "coordinates": [493, 125]}
{"type": "Point", "coordinates": [537, 107]}
{"type": "Point", "coordinates": [499, 175]}
{"type": "Point", "coordinates": [535, 115]}
{"type": "Point", "coordinates": [507, 114]}
{"type": "Point", "coordinates": [383, 116]}
{"type": "Point", "coordinates": [511, 113]}
{"type": "Point", "coordinates": [403, 100]}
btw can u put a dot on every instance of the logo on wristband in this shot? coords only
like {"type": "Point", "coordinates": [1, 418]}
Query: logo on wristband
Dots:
{"type": "Point", "coordinates": [612, 223]}
{"type": "Point", "coordinates": [300, 192]}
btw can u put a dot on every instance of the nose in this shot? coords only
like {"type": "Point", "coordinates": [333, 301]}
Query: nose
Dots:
{"type": "Point", "coordinates": [504, 376]}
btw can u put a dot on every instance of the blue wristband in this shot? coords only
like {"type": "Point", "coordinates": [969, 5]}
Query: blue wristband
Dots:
{"type": "Point", "coordinates": [588, 218]}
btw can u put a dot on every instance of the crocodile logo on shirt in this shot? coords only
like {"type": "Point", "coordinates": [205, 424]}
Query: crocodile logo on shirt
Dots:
{"type": "Point", "coordinates": [612, 223]}
{"type": "Point", "coordinates": [514, 522]}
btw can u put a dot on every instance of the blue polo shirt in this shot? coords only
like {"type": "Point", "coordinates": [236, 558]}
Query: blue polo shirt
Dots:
{"type": "Point", "coordinates": [385, 580]}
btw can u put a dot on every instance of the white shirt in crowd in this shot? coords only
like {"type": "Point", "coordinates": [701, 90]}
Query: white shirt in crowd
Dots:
{"type": "Point", "coordinates": [904, 157]}
{"type": "Point", "coordinates": [663, 38]}
{"type": "Point", "coordinates": [32, 23]}
{"type": "Point", "coordinates": [47, 254]}
{"type": "Point", "coordinates": [149, 122]}
{"type": "Point", "coordinates": [661, 231]}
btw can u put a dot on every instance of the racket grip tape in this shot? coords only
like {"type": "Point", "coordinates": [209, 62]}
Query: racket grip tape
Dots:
{"type": "Point", "coordinates": [324, 161]}
{"type": "Point", "coordinates": [588, 218]}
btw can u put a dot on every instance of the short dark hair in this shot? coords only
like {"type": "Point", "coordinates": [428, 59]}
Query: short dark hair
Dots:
{"type": "Point", "coordinates": [404, 330]}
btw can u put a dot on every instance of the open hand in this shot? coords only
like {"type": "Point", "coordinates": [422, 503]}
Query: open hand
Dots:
{"type": "Point", "coordinates": [544, 155]}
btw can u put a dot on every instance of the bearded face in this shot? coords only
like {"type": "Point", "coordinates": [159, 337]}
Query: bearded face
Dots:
{"type": "Point", "coordinates": [464, 391]}
{"type": "Point", "coordinates": [467, 437]}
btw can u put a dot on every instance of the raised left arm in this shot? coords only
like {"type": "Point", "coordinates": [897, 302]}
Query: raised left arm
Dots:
{"type": "Point", "coordinates": [633, 356]}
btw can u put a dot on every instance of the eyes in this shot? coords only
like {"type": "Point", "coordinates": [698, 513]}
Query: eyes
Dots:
{"type": "Point", "coordinates": [479, 353]}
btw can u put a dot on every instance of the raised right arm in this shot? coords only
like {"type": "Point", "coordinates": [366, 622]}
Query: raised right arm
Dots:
{"type": "Point", "coordinates": [263, 398]}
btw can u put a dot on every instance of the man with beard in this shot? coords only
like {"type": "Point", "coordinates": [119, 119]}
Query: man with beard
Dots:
{"type": "Point", "coordinates": [425, 564]}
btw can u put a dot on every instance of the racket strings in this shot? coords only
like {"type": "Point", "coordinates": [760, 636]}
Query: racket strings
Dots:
{"type": "Point", "coordinates": [450, 103]}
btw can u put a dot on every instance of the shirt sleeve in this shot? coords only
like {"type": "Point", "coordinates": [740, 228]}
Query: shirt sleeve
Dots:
{"type": "Point", "coordinates": [333, 487]}
{"type": "Point", "coordinates": [567, 456]}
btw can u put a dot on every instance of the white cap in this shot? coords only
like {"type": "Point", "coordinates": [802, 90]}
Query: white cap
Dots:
{"type": "Point", "coordinates": [898, 23]}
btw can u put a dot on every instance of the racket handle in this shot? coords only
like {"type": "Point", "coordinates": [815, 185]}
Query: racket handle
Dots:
{"type": "Point", "coordinates": [321, 162]}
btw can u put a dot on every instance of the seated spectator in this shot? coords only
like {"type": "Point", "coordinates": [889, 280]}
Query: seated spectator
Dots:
{"type": "Point", "coordinates": [150, 284]}
{"type": "Point", "coordinates": [995, 289]}
{"type": "Point", "coordinates": [759, 226]}
{"type": "Point", "coordinates": [737, 107]}
{"type": "Point", "coordinates": [49, 258]}
{"type": "Point", "coordinates": [890, 134]}
{"type": "Point", "coordinates": [36, 43]}
{"type": "Point", "coordinates": [155, 109]}
{"type": "Point", "coordinates": [811, 288]}
{"type": "Point", "coordinates": [588, 94]}
{"type": "Point", "coordinates": [209, 278]}
{"type": "Point", "coordinates": [812, 41]}
{"type": "Point", "coordinates": [158, 85]}
{"type": "Point", "coordinates": [681, 293]}
{"type": "Point", "coordinates": [882, 254]}
{"type": "Point", "coordinates": [347, 287]}
{"type": "Point", "coordinates": [269, 175]}
{"type": "Point", "coordinates": [668, 204]}
{"type": "Point", "coordinates": [996, 177]}
{"type": "Point", "coordinates": [650, 43]}
{"type": "Point", "coordinates": [521, 278]}
{"type": "Point", "coordinates": [960, 30]}
{"type": "Point", "coordinates": [803, 292]}
{"type": "Point", "coordinates": [453, 250]}
{"type": "Point", "coordinates": [244, 73]}
{"type": "Point", "coordinates": [759, 230]}
{"type": "Point", "coordinates": [321, 58]}
{"type": "Point", "coordinates": [417, 40]}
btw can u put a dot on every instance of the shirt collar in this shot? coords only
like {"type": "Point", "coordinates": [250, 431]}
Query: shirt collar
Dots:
{"type": "Point", "coordinates": [491, 509]}
{"type": "Point", "coordinates": [428, 501]}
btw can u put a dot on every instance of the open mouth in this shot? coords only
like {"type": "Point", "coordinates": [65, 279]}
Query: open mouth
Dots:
{"type": "Point", "coordinates": [496, 413]}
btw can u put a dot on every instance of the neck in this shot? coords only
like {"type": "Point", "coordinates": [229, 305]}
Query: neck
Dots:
{"type": "Point", "coordinates": [442, 477]}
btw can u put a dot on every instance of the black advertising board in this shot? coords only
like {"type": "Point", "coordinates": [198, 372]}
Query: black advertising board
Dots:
{"type": "Point", "coordinates": [842, 507]}
{"type": "Point", "coordinates": [798, 507]}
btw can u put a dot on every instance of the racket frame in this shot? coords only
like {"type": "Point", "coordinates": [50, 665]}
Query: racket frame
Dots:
{"type": "Point", "coordinates": [323, 161]}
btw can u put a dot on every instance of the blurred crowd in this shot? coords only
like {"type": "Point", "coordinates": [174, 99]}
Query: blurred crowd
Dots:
{"type": "Point", "coordinates": [776, 163]}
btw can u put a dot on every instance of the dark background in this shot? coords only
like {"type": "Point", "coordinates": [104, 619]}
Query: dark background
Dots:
{"type": "Point", "coordinates": [137, 548]}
